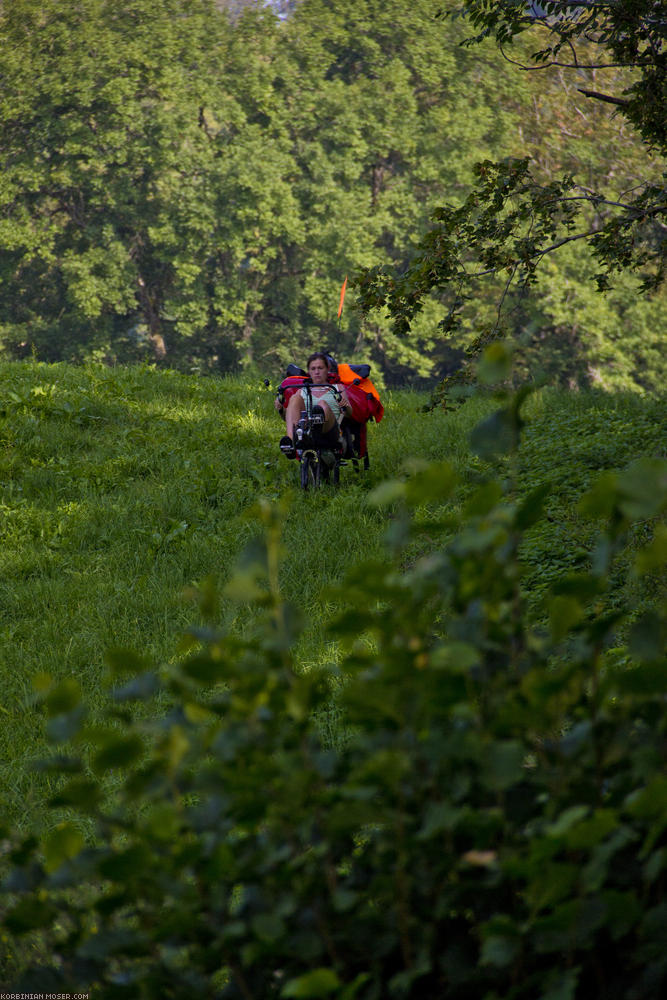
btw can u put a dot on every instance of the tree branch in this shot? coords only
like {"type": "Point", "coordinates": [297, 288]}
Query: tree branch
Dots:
{"type": "Point", "coordinates": [541, 252]}
{"type": "Point", "coordinates": [604, 97]}
{"type": "Point", "coordinates": [563, 65]}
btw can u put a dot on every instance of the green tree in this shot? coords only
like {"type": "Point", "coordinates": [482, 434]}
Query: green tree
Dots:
{"type": "Point", "coordinates": [106, 163]}
{"type": "Point", "coordinates": [386, 115]}
{"type": "Point", "coordinates": [204, 178]}
{"type": "Point", "coordinates": [524, 208]}
{"type": "Point", "coordinates": [195, 179]}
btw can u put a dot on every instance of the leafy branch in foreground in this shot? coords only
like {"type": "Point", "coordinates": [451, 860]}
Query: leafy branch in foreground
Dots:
{"type": "Point", "coordinates": [504, 227]}
{"type": "Point", "coordinates": [513, 219]}
{"type": "Point", "coordinates": [492, 824]}
{"type": "Point", "coordinates": [622, 33]}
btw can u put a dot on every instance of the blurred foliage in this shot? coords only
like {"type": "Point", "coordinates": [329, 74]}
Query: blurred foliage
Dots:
{"type": "Point", "coordinates": [490, 824]}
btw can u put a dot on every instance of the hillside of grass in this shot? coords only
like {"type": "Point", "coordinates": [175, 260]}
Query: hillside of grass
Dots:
{"type": "Point", "coordinates": [123, 492]}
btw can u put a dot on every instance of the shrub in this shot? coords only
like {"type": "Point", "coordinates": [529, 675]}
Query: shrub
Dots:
{"type": "Point", "coordinates": [491, 822]}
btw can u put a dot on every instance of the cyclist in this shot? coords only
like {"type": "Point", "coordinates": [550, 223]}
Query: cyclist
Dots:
{"type": "Point", "coordinates": [330, 396]}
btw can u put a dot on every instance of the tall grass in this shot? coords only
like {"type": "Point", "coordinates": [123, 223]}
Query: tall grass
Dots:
{"type": "Point", "coordinates": [121, 490]}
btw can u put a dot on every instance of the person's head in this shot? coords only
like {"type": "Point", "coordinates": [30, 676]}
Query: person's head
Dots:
{"type": "Point", "coordinates": [318, 368]}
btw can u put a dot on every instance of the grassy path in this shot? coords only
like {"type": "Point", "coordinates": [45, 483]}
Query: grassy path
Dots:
{"type": "Point", "coordinates": [121, 490]}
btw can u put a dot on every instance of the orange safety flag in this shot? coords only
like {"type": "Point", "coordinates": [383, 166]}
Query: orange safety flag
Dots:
{"type": "Point", "coordinates": [342, 297]}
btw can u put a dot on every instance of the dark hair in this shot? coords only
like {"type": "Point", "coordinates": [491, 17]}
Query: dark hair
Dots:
{"type": "Point", "coordinates": [318, 356]}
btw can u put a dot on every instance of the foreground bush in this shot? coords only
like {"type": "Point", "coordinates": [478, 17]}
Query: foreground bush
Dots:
{"type": "Point", "coordinates": [490, 821]}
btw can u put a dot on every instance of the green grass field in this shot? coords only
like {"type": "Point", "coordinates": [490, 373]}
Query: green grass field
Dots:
{"type": "Point", "coordinates": [122, 490]}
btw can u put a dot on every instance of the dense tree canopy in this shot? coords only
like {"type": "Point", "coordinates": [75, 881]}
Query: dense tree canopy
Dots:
{"type": "Point", "coordinates": [104, 166]}
{"type": "Point", "coordinates": [192, 181]}
{"type": "Point", "coordinates": [556, 195]}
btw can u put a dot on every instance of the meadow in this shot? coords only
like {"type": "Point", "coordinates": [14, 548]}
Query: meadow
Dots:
{"type": "Point", "coordinates": [126, 492]}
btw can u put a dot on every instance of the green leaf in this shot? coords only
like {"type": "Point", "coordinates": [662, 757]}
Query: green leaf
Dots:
{"type": "Point", "coordinates": [127, 864]}
{"type": "Point", "coordinates": [498, 434]}
{"type": "Point", "coordinates": [499, 951]}
{"type": "Point", "coordinates": [564, 614]}
{"type": "Point", "coordinates": [118, 751]}
{"type": "Point", "coordinates": [572, 923]}
{"type": "Point", "coordinates": [483, 500]}
{"type": "Point", "coordinates": [61, 844]}
{"type": "Point", "coordinates": [624, 911]}
{"type": "Point", "coordinates": [503, 764]}
{"type": "Point", "coordinates": [654, 555]}
{"type": "Point", "coordinates": [645, 680]}
{"type": "Point", "coordinates": [81, 793]}
{"type": "Point", "coordinates": [643, 488]}
{"type": "Point", "coordinates": [589, 831]}
{"type": "Point", "coordinates": [651, 801]}
{"type": "Point", "coordinates": [206, 669]}
{"type": "Point", "coordinates": [30, 914]}
{"type": "Point", "coordinates": [139, 688]}
{"type": "Point", "coordinates": [162, 821]}
{"type": "Point", "coordinates": [344, 900]}
{"type": "Point", "coordinates": [123, 941]}
{"type": "Point", "coordinates": [578, 585]}
{"type": "Point", "coordinates": [599, 501]}
{"type": "Point", "coordinates": [126, 661]}
{"type": "Point", "coordinates": [562, 985]}
{"type": "Point", "coordinates": [387, 493]}
{"type": "Point", "coordinates": [532, 507]}
{"type": "Point", "coordinates": [435, 483]}
{"type": "Point", "coordinates": [567, 819]}
{"type": "Point", "coordinates": [454, 656]}
{"type": "Point", "coordinates": [351, 990]}
{"type": "Point", "coordinates": [647, 639]}
{"type": "Point", "coordinates": [595, 872]}
{"type": "Point", "coordinates": [247, 584]}
{"type": "Point", "coordinates": [63, 728]}
{"type": "Point", "coordinates": [318, 983]}
{"type": "Point", "coordinates": [655, 865]}
{"type": "Point", "coordinates": [495, 365]}
{"type": "Point", "coordinates": [64, 697]}
{"type": "Point", "coordinates": [439, 817]}
{"type": "Point", "coordinates": [268, 927]}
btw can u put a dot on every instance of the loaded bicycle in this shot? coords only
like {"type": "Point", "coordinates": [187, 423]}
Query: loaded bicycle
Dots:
{"type": "Point", "coordinates": [320, 459]}
{"type": "Point", "coordinates": [326, 410]}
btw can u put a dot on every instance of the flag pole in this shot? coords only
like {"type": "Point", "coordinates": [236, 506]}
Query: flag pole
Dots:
{"type": "Point", "coordinates": [340, 310]}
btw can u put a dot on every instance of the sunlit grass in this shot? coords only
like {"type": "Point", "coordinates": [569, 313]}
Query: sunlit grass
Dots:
{"type": "Point", "coordinates": [121, 490]}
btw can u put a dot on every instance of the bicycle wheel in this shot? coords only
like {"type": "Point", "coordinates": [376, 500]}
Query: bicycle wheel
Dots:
{"type": "Point", "coordinates": [310, 471]}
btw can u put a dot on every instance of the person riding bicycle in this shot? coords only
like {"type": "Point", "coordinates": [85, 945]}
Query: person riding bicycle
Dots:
{"type": "Point", "coordinates": [331, 397]}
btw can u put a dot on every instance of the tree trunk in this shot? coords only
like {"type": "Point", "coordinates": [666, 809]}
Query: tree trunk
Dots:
{"type": "Point", "coordinates": [158, 344]}
{"type": "Point", "coordinates": [150, 307]}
